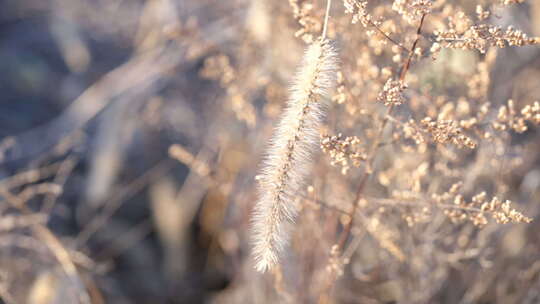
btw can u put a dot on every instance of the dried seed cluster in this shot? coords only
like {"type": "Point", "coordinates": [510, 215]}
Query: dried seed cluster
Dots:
{"type": "Point", "coordinates": [344, 151]}
{"type": "Point", "coordinates": [480, 37]}
{"type": "Point", "coordinates": [477, 210]}
{"type": "Point", "coordinates": [289, 155]}
{"type": "Point", "coordinates": [392, 93]}
{"type": "Point", "coordinates": [509, 118]}
{"type": "Point", "coordinates": [447, 131]}
{"type": "Point", "coordinates": [412, 10]}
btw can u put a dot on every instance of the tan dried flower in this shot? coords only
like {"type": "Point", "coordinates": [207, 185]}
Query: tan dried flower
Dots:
{"type": "Point", "coordinates": [482, 13]}
{"type": "Point", "coordinates": [447, 131]}
{"type": "Point", "coordinates": [532, 112]}
{"type": "Point", "coordinates": [304, 14]}
{"type": "Point", "coordinates": [482, 36]}
{"type": "Point", "coordinates": [343, 151]}
{"type": "Point", "coordinates": [457, 209]}
{"type": "Point", "coordinates": [412, 131]}
{"type": "Point", "coordinates": [392, 93]}
{"type": "Point", "coordinates": [509, 118]}
{"type": "Point", "coordinates": [502, 212]}
{"type": "Point", "coordinates": [412, 10]}
{"type": "Point", "coordinates": [358, 10]}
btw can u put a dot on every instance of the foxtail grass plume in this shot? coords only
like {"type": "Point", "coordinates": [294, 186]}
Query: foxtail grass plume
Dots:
{"type": "Point", "coordinates": [289, 154]}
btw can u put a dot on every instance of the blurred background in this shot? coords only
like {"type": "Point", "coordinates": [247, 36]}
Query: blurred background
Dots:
{"type": "Point", "coordinates": [129, 146]}
{"type": "Point", "coordinates": [93, 95]}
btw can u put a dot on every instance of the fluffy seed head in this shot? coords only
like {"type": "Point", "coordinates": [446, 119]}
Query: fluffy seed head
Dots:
{"type": "Point", "coordinates": [289, 153]}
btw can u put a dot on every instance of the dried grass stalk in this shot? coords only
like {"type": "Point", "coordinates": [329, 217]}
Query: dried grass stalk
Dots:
{"type": "Point", "coordinates": [289, 154]}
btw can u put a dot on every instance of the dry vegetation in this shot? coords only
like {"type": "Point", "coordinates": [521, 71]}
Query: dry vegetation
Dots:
{"type": "Point", "coordinates": [163, 151]}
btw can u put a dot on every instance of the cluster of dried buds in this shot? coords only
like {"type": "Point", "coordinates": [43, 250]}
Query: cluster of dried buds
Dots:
{"type": "Point", "coordinates": [509, 118]}
{"type": "Point", "coordinates": [477, 210]}
{"type": "Point", "coordinates": [447, 131]}
{"type": "Point", "coordinates": [482, 36]}
{"type": "Point", "coordinates": [303, 12]}
{"type": "Point", "coordinates": [412, 10]}
{"type": "Point", "coordinates": [344, 151]}
{"type": "Point", "coordinates": [392, 93]}
{"type": "Point", "coordinates": [358, 10]}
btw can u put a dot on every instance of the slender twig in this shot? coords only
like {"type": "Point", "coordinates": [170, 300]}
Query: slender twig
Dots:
{"type": "Point", "coordinates": [53, 243]}
{"type": "Point", "coordinates": [371, 157]}
{"type": "Point", "coordinates": [327, 15]}
{"type": "Point", "coordinates": [411, 53]}
{"type": "Point", "coordinates": [323, 204]}
{"type": "Point", "coordinates": [393, 203]}
{"type": "Point", "coordinates": [388, 37]}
